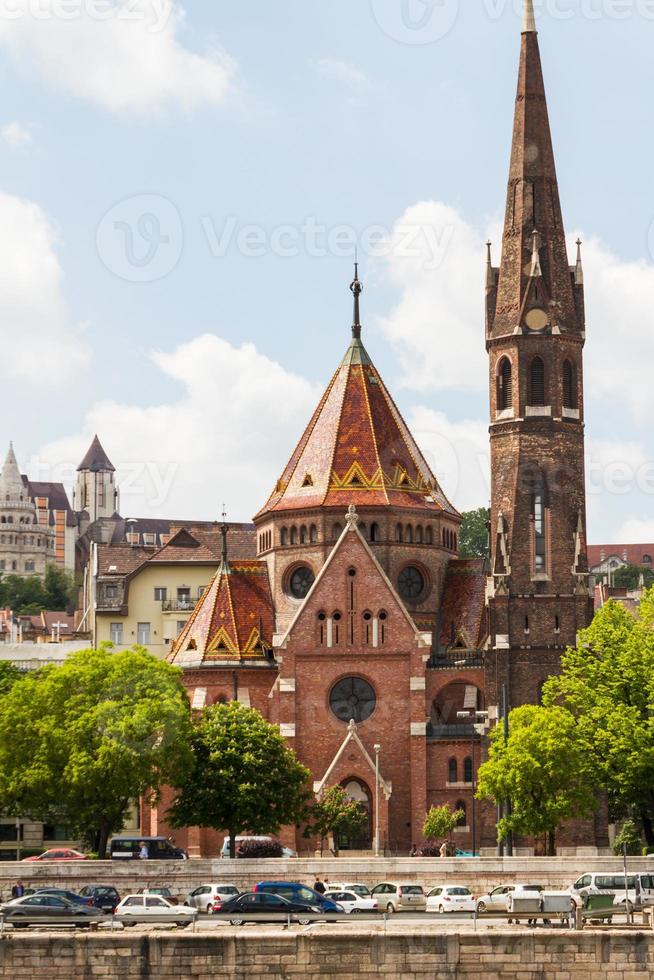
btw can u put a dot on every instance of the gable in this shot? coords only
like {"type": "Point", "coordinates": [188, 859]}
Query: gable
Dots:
{"type": "Point", "coordinates": [353, 591]}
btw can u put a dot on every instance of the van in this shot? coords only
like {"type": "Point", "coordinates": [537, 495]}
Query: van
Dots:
{"type": "Point", "coordinates": [224, 850]}
{"type": "Point", "coordinates": [126, 847]}
{"type": "Point", "coordinates": [640, 887]}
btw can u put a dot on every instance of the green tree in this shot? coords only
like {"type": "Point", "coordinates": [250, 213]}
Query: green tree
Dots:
{"type": "Point", "coordinates": [440, 822]}
{"type": "Point", "coordinates": [607, 686]}
{"type": "Point", "coordinates": [630, 838]}
{"type": "Point", "coordinates": [629, 576]}
{"type": "Point", "coordinates": [60, 589]}
{"type": "Point", "coordinates": [242, 776]}
{"type": "Point", "coordinates": [541, 769]}
{"type": "Point", "coordinates": [337, 814]}
{"type": "Point", "coordinates": [473, 536]}
{"type": "Point", "coordinates": [25, 596]}
{"type": "Point", "coordinates": [79, 741]}
{"type": "Point", "coordinates": [8, 676]}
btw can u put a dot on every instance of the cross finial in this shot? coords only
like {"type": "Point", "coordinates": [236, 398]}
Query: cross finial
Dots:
{"type": "Point", "coordinates": [224, 531]}
{"type": "Point", "coordinates": [357, 288]}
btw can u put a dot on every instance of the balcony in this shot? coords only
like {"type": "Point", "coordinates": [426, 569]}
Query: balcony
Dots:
{"type": "Point", "coordinates": [109, 603]}
{"type": "Point", "coordinates": [456, 659]}
{"type": "Point", "coordinates": [450, 732]}
{"type": "Point", "coordinates": [179, 605]}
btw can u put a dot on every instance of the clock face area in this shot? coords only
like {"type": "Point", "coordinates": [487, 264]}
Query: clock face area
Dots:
{"type": "Point", "coordinates": [537, 320]}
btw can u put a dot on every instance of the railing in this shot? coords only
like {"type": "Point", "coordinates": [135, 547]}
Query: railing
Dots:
{"type": "Point", "coordinates": [179, 605]}
{"type": "Point", "coordinates": [450, 731]}
{"type": "Point", "coordinates": [110, 603]}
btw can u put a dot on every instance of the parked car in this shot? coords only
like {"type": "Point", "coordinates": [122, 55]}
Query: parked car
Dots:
{"type": "Point", "coordinates": [496, 900]}
{"type": "Point", "coordinates": [104, 897]}
{"type": "Point", "coordinates": [164, 891]}
{"type": "Point", "coordinates": [352, 903]}
{"type": "Point", "coordinates": [640, 888]}
{"type": "Point", "coordinates": [154, 908]}
{"type": "Point", "coordinates": [345, 886]}
{"type": "Point", "coordinates": [224, 850]}
{"type": "Point", "coordinates": [393, 897]}
{"type": "Point", "coordinates": [44, 907]}
{"type": "Point", "coordinates": [205, 896]}
{"type": "Point", "coordinates": [265, 903]}
{"type": "Point", "coordinates": [295, 892]}
{"type": "Point", "coordinates": [58, 854]}
{"type": "Point", "coordinates": [73, 897]}
{"type": "Point", "coordinates": [126, 847]}
{"type": "Point", "coordinates": [450, 898]}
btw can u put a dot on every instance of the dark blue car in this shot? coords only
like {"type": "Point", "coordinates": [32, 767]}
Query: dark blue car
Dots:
{"type": "Point", "coordinates": [296, 892]}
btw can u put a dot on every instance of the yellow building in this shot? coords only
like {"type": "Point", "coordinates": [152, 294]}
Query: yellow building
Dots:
{"type": "Point", "coordinates": [145, 596]}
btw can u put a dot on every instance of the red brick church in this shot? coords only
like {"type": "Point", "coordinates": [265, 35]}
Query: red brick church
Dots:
{"type": "Point", "coordinates": [358, 609]}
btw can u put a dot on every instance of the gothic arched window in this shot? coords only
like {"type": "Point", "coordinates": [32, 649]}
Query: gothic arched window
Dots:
{"type": "Point", "coordinates": [463, 820]}
{"type": "Point", "coordinates": [453, 771]}
{"type": "Point", "coordinates": [504, 385]}
{"type": "Point", "coordinates": [569, 385]}
{"type": "Point", "coordinates": [467, 770]}
{"type": "Point", "coordinates": [539, 505]}
{"type": "Point", "coordinates": [537, 382]}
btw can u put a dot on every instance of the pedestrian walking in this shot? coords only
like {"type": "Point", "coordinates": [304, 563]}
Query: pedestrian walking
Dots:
{"type": "Point", "coordinates": [18, 890]}
{"type": "Point", "coordinates": [319, 887]}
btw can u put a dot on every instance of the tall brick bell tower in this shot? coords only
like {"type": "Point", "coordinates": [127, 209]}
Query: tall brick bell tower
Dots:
{"type": "Point", "coordinates": [535, 331]}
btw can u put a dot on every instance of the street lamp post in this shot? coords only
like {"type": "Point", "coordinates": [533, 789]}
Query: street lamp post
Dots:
{"type": "Point", "coordinates": [377, 751]}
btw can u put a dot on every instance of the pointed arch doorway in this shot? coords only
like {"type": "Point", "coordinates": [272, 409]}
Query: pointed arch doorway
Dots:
{"type": "Point", "coordinates": [358, 791]}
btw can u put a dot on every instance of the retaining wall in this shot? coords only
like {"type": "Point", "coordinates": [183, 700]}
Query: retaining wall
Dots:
{"type": "Point", "coordinates": [541, 956]}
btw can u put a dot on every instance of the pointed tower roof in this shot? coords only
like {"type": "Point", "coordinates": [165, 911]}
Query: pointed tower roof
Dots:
{"type": "Point", "coordinates": [96, 459]}
{"type": "Point", "coordinates": [534, 276]}
{"type": "Point", "coordinates": [357, 447]}
{"type": "Point", "coordinates": [11, 482]}
{"type": "Point", "coordinates": [233, 621]}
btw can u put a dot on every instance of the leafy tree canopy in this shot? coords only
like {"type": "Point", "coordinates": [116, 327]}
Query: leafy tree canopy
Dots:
{"type": "Point", "coordinates": [242, 778]}
{"type": "Point", "coordinates": [473, 536]}
{"type": "Point", "coordinates": [335, 813]}
{"type": "Point", "coordinates": [607, 686]}
{"type": "Point", "coordinates": [629, 577]}
{"type": "Point", "coordinates": [30, 595]}
{"type": "Point", "coordinates": [541, 768]}
{"type": "Point", "coordinates": [441, 821]}
{"type": "Point", "coordinates": [81, 740]}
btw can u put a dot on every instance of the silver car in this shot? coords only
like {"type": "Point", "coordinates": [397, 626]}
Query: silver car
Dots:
{"type": "Point", "coordinates": [394, 897]}
{"type": "Point", "coordinates": [204, 896]}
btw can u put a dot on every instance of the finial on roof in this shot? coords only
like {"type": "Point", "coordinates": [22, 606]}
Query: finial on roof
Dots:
{"type": "Point", "coordinates": [536, 270]}
{"type": "Point", "coordinates": [356, 288]}
{"type": "Point", "coordinates": [224, 530]}
{"type": "Point", "coordinates": [351, 518]}
{"type": "Point", "coordinates": [579, 268]}
{"type": "Point", "coordinates": [490, 275]}
{"type": "Point", "coordinates": [529, 19]}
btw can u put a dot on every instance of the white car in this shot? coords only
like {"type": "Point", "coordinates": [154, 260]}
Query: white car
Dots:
{"type": "Point", "coordinates": [346, 886]}
{"type": "Point", "coordinates": [153, 908]}
{"type": "Point", "coordinates": [204, 896]}
{"type": "Point", "coordinates": [352, 903]}
{"type": "Point", "coordinates": [497, 899]}
{"type": "Point", "coordinates": [450, 898]}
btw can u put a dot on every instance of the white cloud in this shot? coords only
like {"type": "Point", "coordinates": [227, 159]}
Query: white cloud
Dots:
{"type": "Point", "coordinates": [16, 135]}
{"type": "Point", "coordinates": [40, 343]}
{"type": "Point", "coordinates": [226, 439]}
{"type": "Point", "coordinates": [436, 259]}
{"type": "Point", "coordinates": [121, 54]}
{"type": "Point", "coordinates": [636, 530]}
{"type": "Point", "coordinates": [457, 452]}
{"type": "Point", "coordinates": [355, 81]}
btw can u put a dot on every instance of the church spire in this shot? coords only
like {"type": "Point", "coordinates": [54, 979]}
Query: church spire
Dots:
{"type": "Point", "coordinates": [356, 288]}
{"type": "Point", "coordinates": [529, 18]}
{"type": "Point", "coordinates": [533, 205]}
{"type": "Point", "coordinates": [224, 531]}
{"type": "Point", "coordinates": [11, 482]}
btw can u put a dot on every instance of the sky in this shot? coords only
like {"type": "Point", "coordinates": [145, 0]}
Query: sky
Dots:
{"type": "Point", "coordinates": [182, 187]}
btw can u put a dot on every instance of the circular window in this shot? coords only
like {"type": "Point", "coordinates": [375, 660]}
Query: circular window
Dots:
{"type": "Point", "coordinates": [300, 582]}
{"type": "Point", "coordinates": [352, 698]}
{"type": "Point", "coordinates": [411, 583]}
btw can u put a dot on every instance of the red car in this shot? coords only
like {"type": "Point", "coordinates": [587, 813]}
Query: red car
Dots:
{"type": "Point", "coordinates": [58, 854]}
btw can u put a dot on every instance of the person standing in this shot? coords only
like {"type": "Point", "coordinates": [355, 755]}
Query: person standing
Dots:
{"type": "Point", "coordinates": [144, 853]}
{"type": "Point", "coordinates": [319, 887]}
{"type": "Point", "coordinates": [18, 890]}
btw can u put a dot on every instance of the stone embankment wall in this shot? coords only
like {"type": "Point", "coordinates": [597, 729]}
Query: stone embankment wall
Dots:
{"type": "Point", "coordinates": [479, 874]}
{"type": "Point", "coordinates": [540, 956]}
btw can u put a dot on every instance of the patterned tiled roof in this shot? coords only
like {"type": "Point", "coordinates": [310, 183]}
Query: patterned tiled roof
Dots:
{"type": "Point", "coordinates": [463, 610]}
{"type": "Point", "coordinates": [357, 449]}
{"type": "Point", "coordinates": [233, 620]}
